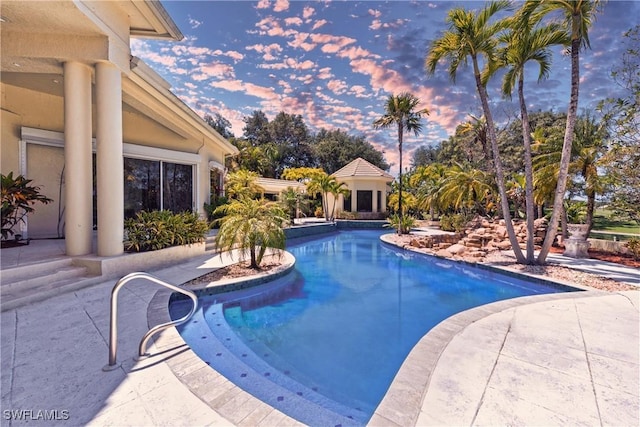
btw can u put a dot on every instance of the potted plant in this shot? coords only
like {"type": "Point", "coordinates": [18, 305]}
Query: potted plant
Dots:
{"type": "Point", "coordinates": [576, 220]}
{"type": "Point", "coordinates": [577, 246]}
{"type": "Point", "coordinates": [18, 198]}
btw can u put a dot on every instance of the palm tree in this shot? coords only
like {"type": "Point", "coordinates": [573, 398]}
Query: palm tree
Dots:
{"type": "Point", "coordinates": [326, 184]}
{"type": "Point", "coordinates": [578, 16]}
{"type": "Point", "coordinates": [427, 180]}
{"type": "Point", "coordinates": [337, 189]}
{"type": "Point", "coordinates": [292, 201]}
{"type": "Point", "coordinates": [524, 43]}
{"type": "Point", "coordinates": [588, 148]}
{"type": "Point", "coordinates": [477, 128]}
{"type": "Point", "coordinates": [465, 189]}
{"type": "Point", "coordinates": [516, 189]}
{"type": "Point", "coordinates": [242, 184]}
{"type": "Point", "coordinates": [401, 111]}
{"type": "Point", "coordinates": [251, 226]}
{"type": "Point", "coordinates": [591, 144]}
{"type": "Point", "coordinates": [472, 35]}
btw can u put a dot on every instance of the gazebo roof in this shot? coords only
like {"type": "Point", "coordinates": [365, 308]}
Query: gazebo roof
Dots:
{"type": "Point", "coordinates": [362, 169]}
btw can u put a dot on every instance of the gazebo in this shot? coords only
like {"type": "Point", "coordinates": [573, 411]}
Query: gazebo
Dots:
{"type": "Point", "coordinates": [368, 186]}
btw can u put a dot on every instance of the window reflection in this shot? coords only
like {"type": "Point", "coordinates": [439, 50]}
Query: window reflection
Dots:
{"type": "Point", "coordinates": [143, 189]}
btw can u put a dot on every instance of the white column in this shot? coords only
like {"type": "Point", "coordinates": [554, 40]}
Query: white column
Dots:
{"type": "Point", "coordinates": [109, 160]}
{"type": "Point", "coordinates": [77, 157]}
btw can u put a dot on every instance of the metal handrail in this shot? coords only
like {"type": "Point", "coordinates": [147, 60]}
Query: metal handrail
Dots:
{"type": "Point", "coordinates": [113, 333]}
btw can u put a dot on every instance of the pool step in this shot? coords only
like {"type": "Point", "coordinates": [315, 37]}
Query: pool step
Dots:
{"type": "Point", "coordinates": [258, 368]}
{"type": "Point", "coordinates": [36, 282]}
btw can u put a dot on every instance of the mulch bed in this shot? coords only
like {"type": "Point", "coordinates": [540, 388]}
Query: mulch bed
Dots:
{"type": "Point", "coordinates": [235, 271]}
{"type": "Point", "coordinates": [623, 259]}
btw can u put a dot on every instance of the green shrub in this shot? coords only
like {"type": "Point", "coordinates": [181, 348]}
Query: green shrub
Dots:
{"type": "Point", "coordinates": [634, 247]}
{"type": "Point", "coordinates": [455, 222]}
{"type": "Point", "coordinates": [347, 215]}
{"type": "Point", "coordinates": [319, 213]}
{"type": "Point", "coordinates": [151, 231]}
{"type": "Point", "coordinates": [403, 225]}
{"type": "Point", "coordinates": [18, 197]}
{"type": "Point", "coordinates": [214, 204]}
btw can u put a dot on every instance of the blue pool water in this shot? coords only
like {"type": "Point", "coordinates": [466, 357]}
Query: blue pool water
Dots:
{"type": "Point", "coordinates": [324, 343]}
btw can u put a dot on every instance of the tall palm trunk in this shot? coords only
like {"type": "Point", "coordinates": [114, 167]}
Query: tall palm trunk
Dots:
{"type": "Point", "coordinates": [400, 215]}
{"type": "Point", "coordinates": [528, 170]}
{"type": "Point", "coordinates": [400, 135]}
{"type": "Point", "coordinates": [572, 114]}
{"type": "Point", "coordinates": [504, 202]}
{"type": "Point", "coordinates": [591, 205]}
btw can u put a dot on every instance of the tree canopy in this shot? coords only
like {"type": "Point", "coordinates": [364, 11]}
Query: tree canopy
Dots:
{"type": "Point", "coordinates": [271, 147]}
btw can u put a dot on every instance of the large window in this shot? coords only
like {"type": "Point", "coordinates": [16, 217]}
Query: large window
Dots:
{"type": "Point", "coordinates": [379, 200]}
{"type": "Point", "coordinates": [365, 201]}
{"type": "Point", "coordinates": [154, 185]}
{"type": "Point", "coordinates": [177, 187]}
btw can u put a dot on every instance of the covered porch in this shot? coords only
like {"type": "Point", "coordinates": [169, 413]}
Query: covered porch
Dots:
{"type": "Point", "coordinates": [85, 121]}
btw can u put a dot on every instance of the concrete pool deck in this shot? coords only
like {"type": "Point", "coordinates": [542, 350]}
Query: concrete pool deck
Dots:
{"type": "Point", "coordinates": [561, 359]}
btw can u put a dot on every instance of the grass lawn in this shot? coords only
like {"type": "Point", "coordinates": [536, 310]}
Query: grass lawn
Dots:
{"type": "Point", "coordinates": [604, 220]}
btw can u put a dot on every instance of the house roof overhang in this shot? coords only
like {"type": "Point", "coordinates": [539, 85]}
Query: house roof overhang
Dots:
{"type": "Point", "coordinates": [39, 36]}
{"type": "Point", "coordinates": [150, 94]}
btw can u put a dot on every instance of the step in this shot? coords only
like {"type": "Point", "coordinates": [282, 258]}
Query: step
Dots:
{"type": "Point", "coordinates": [63, 273]}
{"type": "Point", "coordinates": [19, 297]}
{"type": "Point", "coordinates": [37, 269]}
{"type": "Point", "coordinates": [210, 244]}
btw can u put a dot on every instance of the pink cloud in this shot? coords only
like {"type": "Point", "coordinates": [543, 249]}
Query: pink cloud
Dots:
{"type": "Point", "coordinates": [293, 21]}
{"type": "Point", "coordinates": [375, 13]}
{"type": "Point", "coordinates": [330, 48]}
{"type": "Point", "coordinates": [285, 86]}
{"type": "Point", "coordinates": [391, 82]}
{"type": "Point", "coordinates": [269, 51]}
{"type": "Point", "coordinates": [306, 79]}
{"type": "Point", "coordinates": [377, 24]}
{"type": "Point", "coordinates": [263, 4]}
{"type": "Point", "coordinates": [230, 85]}
{"type": "Point", "coordinates": [354, 52]}
{"type": "Point", "coordinates": [308, 12]}
{"type": "Point", "coordinates": [359, 91]}
{"type": "Point", "coordinates": [341, 41]}
{"type": "Point", "coordinates": [324, 73]}
{"type": "Point", "coordinates": [199, 77]}
{"type": "Point", "coordinates": [305, 65]}
{"type": "Point", "coordinates": [196, 51]}
{"type": "Point", "coordinates": [319, 24]}
{"type": "Point", "coordinates": [260, 91]}
{"type": "Point", "coordinates": [337, 86]}
{"type": "Point", "coordinates": [281, 5]}
{"type": "Point", "coordinates": [237, 56]}
{"type": "Point", "coordinates": [166, 60]}
{"type": "Point", "coordinates": [270, 26]}
{"type": "Point", "coordinates": [217, 69]}
{"type": "Point", "coordinates": [299, 41]}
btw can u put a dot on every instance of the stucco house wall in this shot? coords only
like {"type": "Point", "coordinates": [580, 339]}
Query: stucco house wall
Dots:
{"type": "Point", "coordinates": [62, 64]}
{"type": "Point", "coordinates": [360, 175]}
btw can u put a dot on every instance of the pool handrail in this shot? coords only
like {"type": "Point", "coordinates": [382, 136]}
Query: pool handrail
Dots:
{"type": "Point", "coordinates": [113, 321]}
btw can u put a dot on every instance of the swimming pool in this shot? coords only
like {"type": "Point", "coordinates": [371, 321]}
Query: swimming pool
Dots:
{"type": "Point", "coordinates": [323, 343]}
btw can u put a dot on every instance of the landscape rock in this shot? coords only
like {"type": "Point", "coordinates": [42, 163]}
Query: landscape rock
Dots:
{"type": "Point", "coordinates": [456, 249]}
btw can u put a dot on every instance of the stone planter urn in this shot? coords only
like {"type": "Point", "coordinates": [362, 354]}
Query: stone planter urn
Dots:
{"type": "Point", "coordinates": [577, 246]}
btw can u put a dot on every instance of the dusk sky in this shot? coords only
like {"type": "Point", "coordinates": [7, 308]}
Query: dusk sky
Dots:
{"type": "Point", "coordinates": [336, 62]}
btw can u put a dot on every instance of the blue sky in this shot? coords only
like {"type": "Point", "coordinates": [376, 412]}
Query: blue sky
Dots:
{"type": "Point", "coordinates": [336, 62]}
